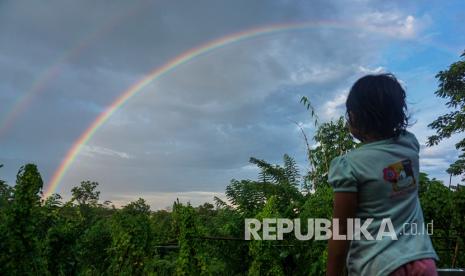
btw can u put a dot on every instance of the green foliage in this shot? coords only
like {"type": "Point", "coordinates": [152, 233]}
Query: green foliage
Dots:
{"type": "Point", "coordinates": [60, 247]}
{"type": "Point", "coordinates": [131, 239]}
{"type": "Point", "coordinates": [205, 240]}
{"type": "Point", "coordinates": [86, 194]}
{"type": "Point", "coordinates": [188, 262]}
{"type": "Point", "coordinates": [308, 105]}
{"type": "Point", "coordinates": [21, 235]}
{"type": "Point", "coordinates": [458, 222]}
{"type": "Point", "coordinates": [445, 209]}
{"type": "Point", "coordinates": [332, 139]}
{"type": "Point", "coordinates": [93, 248]}
{"type": "Point", "coordinates": [6, 193]}
{"type": "Point", "coordinates": [452, 88]}
{"type": "Point", "coordinates": [249, 197]}
{"type": "Point", "coordinates": [266, 259]}
{"type": "Point", "coordinates": [53, 201]}
{"type": "Point", "coordinates": [317, 205]}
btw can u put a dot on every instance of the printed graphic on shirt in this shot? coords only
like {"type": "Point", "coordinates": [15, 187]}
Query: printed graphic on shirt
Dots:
{"type": "Point", "coordinates": [400, 175]}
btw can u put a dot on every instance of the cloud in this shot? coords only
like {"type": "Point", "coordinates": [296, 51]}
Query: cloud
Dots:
{"type": "Point", "coordinates": [394, 24]}
{"type": "Point", "coordinates": [444, 153]}
{"type": "Point", "coordinates": [434, 163]}
{"type": "Point", "coordinates": [317, 75]}
{"type": "Point", "coordinates": [91, 151]}
{"type": "Point", "coordinates": [335, 107]}
{"type": "Point", "coordinates": [367, 70]}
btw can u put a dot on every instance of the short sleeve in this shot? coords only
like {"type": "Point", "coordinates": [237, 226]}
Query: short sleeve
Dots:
{"type": "Point", "coordinates": [341, 176]}
{"type": "Point", "coordinates": [414, 139]}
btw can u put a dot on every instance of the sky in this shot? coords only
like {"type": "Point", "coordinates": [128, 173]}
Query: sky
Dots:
{"type": "Point", "coordinates": [190, 130]}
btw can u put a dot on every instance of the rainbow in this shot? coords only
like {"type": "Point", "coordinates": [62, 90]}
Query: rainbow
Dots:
{"type": "Point", "coordinates": [177, 61]}
{"type": "Point", "coordinates": [54, 70]}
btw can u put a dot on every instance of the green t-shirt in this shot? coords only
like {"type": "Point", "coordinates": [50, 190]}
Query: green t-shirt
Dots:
{"type": "Point", "coordinates": [385, 175]}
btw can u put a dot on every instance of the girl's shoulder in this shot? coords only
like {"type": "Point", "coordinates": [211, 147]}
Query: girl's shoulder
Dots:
{"type": "Point", "coordinates": [341, 175]}
{"type": "Point", "coordinates": [411, 139]}
{"type": "Point", "coordinates": [375, 149]}
{"type": "Point", "coordinates": [405, 140]}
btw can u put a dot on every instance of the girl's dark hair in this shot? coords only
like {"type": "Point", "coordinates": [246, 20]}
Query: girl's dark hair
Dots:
{"type": "Point", "coordinates": [376, 106]}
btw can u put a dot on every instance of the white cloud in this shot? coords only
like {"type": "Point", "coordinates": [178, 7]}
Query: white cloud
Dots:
{"type": "Point", "coordinates": [316, 74]}
{"type": "Point", "coordinates": [391, 23]}
{"type": "Point", "coordinates": [368, 70]}
{"type": "Point", "coordinates": [335, 107]}
{"type": "Point", "coordinates": [92, 151]}
{"type": "Point", "coordinates": [251, 168]}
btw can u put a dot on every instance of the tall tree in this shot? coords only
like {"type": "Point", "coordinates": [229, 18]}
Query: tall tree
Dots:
{"type": "Point", "coordinates": [20, 228]}
{"type": "Point", "coordinates": [452, 88]}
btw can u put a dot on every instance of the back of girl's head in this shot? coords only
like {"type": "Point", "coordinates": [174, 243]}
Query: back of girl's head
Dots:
{"type": "Point", "coordinates": [376, 106]}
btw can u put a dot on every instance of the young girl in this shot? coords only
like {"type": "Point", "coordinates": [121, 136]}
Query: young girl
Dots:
{"type": "Point", "coordinates": [377, 183]}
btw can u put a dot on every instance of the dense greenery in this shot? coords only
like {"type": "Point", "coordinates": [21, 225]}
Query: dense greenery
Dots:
{"type": "Point", "coordinates": [452, 88]}
{"type": "Point", "coordinates": [83, 236]}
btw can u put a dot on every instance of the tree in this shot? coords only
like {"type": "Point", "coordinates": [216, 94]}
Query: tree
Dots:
{"type": "Point", "coordinates": [332, 139]}
{"type": "Point", "coordinates": [93, 247]}
{"type": "Point", "coordinates": [446, 208]}
{"type": "Point", "coordinates": [20, 228]}
{"type": "Point", "coordinates": [189, 261]}
{"type": "Point", "coordinates": [70, 228]}
{"type": "Point", "coordinates": [274, 180]}
{"type": "Point", "coordinates": [86, 194]}
{"type": "Point", "coordinates": [5, 193]}
{"type": "Point", "coordinates": [452, 88]}
{"type": "Point", "coordinates": [132, 237]}
{"type": "Point", "coordinates": [266, 259]}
